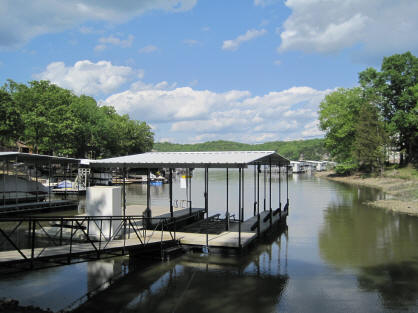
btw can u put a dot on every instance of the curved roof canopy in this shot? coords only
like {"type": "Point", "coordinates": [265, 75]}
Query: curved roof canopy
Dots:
{"type": "Point", "coordinates": [216, 159]}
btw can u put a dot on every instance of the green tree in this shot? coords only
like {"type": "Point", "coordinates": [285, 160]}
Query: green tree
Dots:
{"type": "Point", "coordinates": [369, 138]}
{"type": "Point", "coordinates": [338, 116]}
{"type": "Point", "coordinates": [395, 85]}
{"type": "Point", "coordinates": [11, 124]}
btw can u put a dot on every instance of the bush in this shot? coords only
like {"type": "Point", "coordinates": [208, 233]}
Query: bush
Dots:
{"type": "Point", "coordinates": [345, 169]}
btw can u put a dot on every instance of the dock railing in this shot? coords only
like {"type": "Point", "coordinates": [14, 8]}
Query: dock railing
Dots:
{"type": "Point", "coordinates": [31, 238]}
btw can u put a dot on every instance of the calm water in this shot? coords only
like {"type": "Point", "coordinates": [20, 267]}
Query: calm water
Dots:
{"type": "Point", "coordinates": [337, 255]}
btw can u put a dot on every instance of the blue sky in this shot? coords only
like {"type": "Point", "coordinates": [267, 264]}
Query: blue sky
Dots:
{"type": "Point", "coordinates": [198, 70]}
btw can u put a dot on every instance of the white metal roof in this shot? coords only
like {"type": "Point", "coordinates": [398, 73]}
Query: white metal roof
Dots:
{"type": "Point", "coordinates": [28, 157]}
{"type": "Point", "coordinates": [219, 159]}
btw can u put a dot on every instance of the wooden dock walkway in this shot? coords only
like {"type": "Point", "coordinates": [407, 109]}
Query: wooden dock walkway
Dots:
{"type": "Point", "coordinates": [30, 207]}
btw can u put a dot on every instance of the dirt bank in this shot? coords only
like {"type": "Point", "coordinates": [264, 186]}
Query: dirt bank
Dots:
{"type": "Point", "coordinates": [404, 192]}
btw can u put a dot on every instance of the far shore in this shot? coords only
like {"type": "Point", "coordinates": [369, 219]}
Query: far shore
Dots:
{"type": "Point", "coordinates": [403, 191]}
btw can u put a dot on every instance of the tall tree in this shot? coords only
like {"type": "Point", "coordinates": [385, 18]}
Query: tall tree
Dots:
{"type": "Point", "coordinates": [369, 138]}
{"type": "Point", "coordinates": [395, 85]}
{"type": "Point", "coordinates": [338, 116]}
{"type": "Point", "coordinates": [11, 123]}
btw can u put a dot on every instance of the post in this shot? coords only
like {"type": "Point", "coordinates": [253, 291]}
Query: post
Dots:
{"type": "Point", "coordinates": [207, 206]}
{"type": "Point", "coordinates": [36, 179]}
{"type": "Point", "coordinates": [171, 192]}
{"type": "Point", "coordinates": [280, 188]}
{"type": "Point", "coordinates": [287, 188]}
{"type": "Point", "coordinates": [255, 190]}
{"type": "Point", "coordinates": [33, 242]}
{"type": "Point", "coordinates": [65, 182]}
{"type": "Point", "coordinates": [16, 180]}
{"type": "Point", "coordinates": [227, 200]}
{"type": "Point", "coordinates": [4, 182]}
{"type": "Point", "coordinates": [265, 186]}
{"type": "Point", "coordinates": [124, 207]}
{"type": "Point", "coordinates": [148, 209]}
{"type": "Point", "coordinates": [49, 183]}
{"type": "Point", "coordinates": [189, 177]}
{"type": "Point", "coordinates": [258, 200]}
{"type": "Point", "coordinates": [242, 195]}
{"type": "Point", "coordinates": [271, 210]}
{"type": "Point", "coordinates": [239, 207]}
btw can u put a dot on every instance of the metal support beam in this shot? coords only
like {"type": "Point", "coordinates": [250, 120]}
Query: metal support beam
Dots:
{"type": "Point", "coordinates": [271, 209]}
{"type": "Point", "coordinates": [148, 209]}
{"type": "Point", "coordinates": [258, 200]}
{"type": "Point", "coordinates": [239, 207]}
{"type": "Point", "coordinates": [227, 199]}
{"type": "Point", "coordinates": [255, 190]}
{"type": "Point", "coordinates": [265, 186]}
{"type": "Point", "coordinates": [170, 179]}
{"type": "Point", "coordinates": [242, 195]}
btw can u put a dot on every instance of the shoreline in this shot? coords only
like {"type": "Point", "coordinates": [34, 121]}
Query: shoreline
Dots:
{"type": "Point", "coordinates": [403, 191]}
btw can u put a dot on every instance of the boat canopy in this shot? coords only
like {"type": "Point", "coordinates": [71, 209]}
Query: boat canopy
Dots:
{"type": "Point", "coordinates": [212, 159]}
{"type": "Point", "coordinates": [35, 158]}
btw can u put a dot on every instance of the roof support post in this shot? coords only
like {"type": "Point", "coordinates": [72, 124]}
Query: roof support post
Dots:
{"type": "Point", "coordinates": [207, 206]}
{"type": "Point", "coordinates": [147, 212]}
{"type": "Point", "coordinates": [49, 182]}
{"type": "Point", "coordinates": [242, 195]}
{"type": "Point", "coordinates": [4, 182]}
{"type": "Point", "coordinates": [170, 179]}
{"type": "Point", "coordinates": [271, 210]}
{"type": "Point", "coordinates": [16, 180]}
{"type": "Point", "coordinates": [36, 179]}
{"type": "Point", "coordinates": [280, 188]}
{"type": "Point", "coordinates": [227, 200]}
{"type": "Point", "coordinates": [258, 199]}
{"type": "Point", "coordinates": [189, 189]}
{"type": "Point", "coordinates": [287, 188]}
{"type": "Point", "coordinates": [265, 185]}
{"type": "Point", "coordinates": [239, 206]}
{"type": "Point", "coordinates": [124, 206]}
{"type": "Point", "coordinates": [255, 190]}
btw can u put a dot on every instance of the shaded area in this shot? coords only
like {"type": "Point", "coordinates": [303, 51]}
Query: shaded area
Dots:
{"type": "Point", "coordinates": [380, 246]}
{"type": "Point", "coordinates": [397, 283]}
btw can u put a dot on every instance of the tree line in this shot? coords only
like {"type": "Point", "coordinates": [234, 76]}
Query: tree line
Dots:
{"type": "Point", "coordinates": [364, 123]}
{"type": "Point", "coordinates": [55, 121]}
{"type": "Point", "coordinates": [312, 149]}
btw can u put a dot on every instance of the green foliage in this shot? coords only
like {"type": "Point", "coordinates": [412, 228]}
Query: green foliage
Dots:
{"type": "Point", "coordinates": [395, 84]}
{"type": "Point", "coordinates": [345, 169]}
{"type": "Point", "coordinates": [338, 116]}
{"type": "Point", "coordinates": [310, 149]}
{"type": "Point", "coordinates": [11, 121]}
{"type": "Point", "coordinates": [58, 122]}
{"type": "Point", "coordinates": [369, 139]}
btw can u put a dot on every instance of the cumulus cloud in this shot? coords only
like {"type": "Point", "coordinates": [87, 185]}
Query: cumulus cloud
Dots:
{"type": "Point", "coordinates": [234, 44]}
{"type": "Point", "coordinates": [27, 19]}
{"type": "Point", "coordinates": [86, 77]}
{"type": "Point", "coordinates": [191, 115]}
{"type": "Point", "coordinates": [380, 26]}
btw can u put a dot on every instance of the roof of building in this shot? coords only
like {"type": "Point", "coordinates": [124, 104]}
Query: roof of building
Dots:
{"type": "Point", "coordinates": [215, 159]}
{"type": "Point", "coordinates": [39, 158]}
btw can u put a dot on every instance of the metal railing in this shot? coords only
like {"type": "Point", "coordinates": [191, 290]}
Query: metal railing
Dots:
{"type": "Point", "coordinates": [28, 239]}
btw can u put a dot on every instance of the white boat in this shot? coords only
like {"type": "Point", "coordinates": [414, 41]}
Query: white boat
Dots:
{"type": "Point", "coordinates": [17, 189]}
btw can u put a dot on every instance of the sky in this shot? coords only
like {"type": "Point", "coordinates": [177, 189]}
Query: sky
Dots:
{"type": "Point", "coordinates": [200, 70]}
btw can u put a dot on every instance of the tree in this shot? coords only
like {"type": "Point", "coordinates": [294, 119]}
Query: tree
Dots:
{"type": "Point", "coordinates": [11, 122]}
{"type": "Point", "coordinates": [338, 116]}
{"type": "Point", "coordinates": [395, 85]}
{"type": "Point", "coordinates": [369, 139]}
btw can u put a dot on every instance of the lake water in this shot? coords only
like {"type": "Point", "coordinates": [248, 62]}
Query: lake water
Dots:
{"type": "Point", "coordinates": [337, 255]}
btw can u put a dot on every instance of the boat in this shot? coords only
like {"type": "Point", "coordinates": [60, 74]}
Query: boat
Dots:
{"type": "Point", "coordinates": [15, 189]}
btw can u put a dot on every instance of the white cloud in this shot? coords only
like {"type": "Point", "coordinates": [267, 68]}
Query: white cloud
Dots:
{"type": "Point", "coordinates": [86, 77]}
{"type": "Point", "coordinates": [190, 115]}
{"type": "Point", "coordinates": [27, 19]}
{"type": "Point", "coordinates": [277, 62]}
{"type": "Point", "coordinates": [264, 3]}
{"type": "Point", "coordinates": [115, 41]}
{"type": "Point", "coordinates": [381, 26]}
{"type": "Point", "coordinates": [191, 42]}
{"type": "Point", "coordinates": [148, 49]}
{"type": "Point", "coordinates": [249, 35]}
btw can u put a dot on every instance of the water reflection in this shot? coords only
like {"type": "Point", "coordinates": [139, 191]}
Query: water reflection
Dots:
{"type": "Point", "coordinates": [202, 283]}
{"type": "Point", "coordinates": [380, 246]}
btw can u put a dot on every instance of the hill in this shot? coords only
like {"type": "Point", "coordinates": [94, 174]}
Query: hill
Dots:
{"type": "Point", "coordinates": [312, 149]}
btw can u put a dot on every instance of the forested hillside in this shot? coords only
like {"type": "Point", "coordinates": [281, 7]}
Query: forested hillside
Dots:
{"type": "Point", "coordinates": [312, 149]}
{"type": "Point", "coordinates": [53, 120]}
